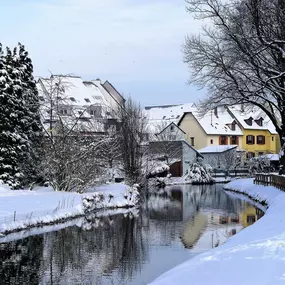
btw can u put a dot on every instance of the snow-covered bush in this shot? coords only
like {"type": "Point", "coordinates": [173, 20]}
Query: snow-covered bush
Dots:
{"type": "Point", "coordinates": [198, 173]}
{"type": "Point", "coordinates": [258, 164]}
{"type": "Point", "coordinates": [159, 171]}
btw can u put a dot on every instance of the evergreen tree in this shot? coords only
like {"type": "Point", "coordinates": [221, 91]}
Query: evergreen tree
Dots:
{"type": "Point", "coordinates": [20, 129]}
{"type": "Point", "coordinates": [32, 127]}
{"type": "Point", "coordinates": [13, 143]}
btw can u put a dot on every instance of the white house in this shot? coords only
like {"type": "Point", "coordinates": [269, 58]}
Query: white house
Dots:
{"type": "Point", "coordinates": [177, 154]}
{"type": "Point", "coordinates": [85, 106]}
{"type": "Point", "coordinates": [171, 132]}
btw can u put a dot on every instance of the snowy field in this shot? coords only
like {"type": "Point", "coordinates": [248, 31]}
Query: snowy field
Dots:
{"type": "Point", "coordinates": [20, 209]}
{"type": "Point", "coordinates": [256, 255]}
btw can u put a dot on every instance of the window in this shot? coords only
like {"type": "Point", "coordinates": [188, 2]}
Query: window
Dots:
{"type": "Point", "coordinates": [250, 155]}
{"type": "Point", "coordinates": [249, 121]}
{"type": "Point", "coordinates": [95, 111]}
{"type": "Point", "coordinates": [192, 141]}
{"type": "Point", "coordinates": [234, 140]}
{"type": "Point", "coordinates": [233, 126]}
{"type": "Point", "coordinates": [259, 122]}
{"type": "Point", "coordinates": [223, 140]}
{"type": "Point", "coordinates": [250, 219]}
{"type": "Point", "coordinates": [172, 128]}
{"type": "Point", "coordinates": [272, 138]}
{"type": "Point", "coordinates": [260, 153]}
{"type": "Point", "coordinates": [63, 112]}
{"type": "Point", "coordinates": [211, 141]}
{"type": "Point", "coordinates": [260, 140]}
{"type": "Point", "coordinates": [249, 139]}
{"type": "Point", "coordinates": [72, 99]}
{"type": "Point", "coordinates": [87, 100]}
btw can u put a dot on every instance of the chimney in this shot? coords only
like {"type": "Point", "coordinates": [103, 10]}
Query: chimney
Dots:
{"type": "Point", "coordinates": [216, 111]}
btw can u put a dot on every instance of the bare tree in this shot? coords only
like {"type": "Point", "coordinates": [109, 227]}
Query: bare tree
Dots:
{"type": "Point", "coordinates": [240, 58]}
{"type": "Point", "coordinates": [131, 134]}
{"type": "Point", "coordinates": [165, 146]}
{"type": "Point", "coordinates": [74, 137]}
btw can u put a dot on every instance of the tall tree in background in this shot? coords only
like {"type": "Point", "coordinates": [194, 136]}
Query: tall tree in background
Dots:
{"type": "Point", "coordinates": [240, 58]}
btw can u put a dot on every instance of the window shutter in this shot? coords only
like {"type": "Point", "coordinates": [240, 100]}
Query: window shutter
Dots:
{"type": "Point", "coordinates": [263, 140]}
{"type": "Point", "coordinates": [220, 140]}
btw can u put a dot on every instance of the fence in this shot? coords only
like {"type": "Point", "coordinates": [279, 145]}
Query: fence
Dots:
{"type": "Point", "coordinates": [240, 172]}
{"type": "Point", "coordinates": [275, 180]}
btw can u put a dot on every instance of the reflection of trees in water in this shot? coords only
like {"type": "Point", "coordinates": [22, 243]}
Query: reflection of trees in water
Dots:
{"type": "Point", "coordinates": [20, 261]}
{"type": "Point", "coordinates": [87, 255]}
{"type": "Point", "coordinates": [213, 197]}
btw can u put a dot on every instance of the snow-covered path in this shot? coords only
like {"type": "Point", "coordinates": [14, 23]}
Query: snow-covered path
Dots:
{"type": "Point", "coordinates": [20, 209]}
{"type": "Point", "coordinates": [256, 255]}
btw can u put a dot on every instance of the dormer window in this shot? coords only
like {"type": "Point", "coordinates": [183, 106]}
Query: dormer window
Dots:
{"type": "Point", "coordinates": [259, 122]}
{"type": "Point", "coordinates": [249, 121]}
{"type": "Point", "coordinates": [87, 100]}
{"type": "Point", "coordinates": [72, 99]}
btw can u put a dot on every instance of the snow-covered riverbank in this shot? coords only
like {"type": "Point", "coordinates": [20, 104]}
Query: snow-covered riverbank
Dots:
{"type": "Point", "coordinates": [256, 255]}
{"type": "Point", "coordinates": [21, 209]}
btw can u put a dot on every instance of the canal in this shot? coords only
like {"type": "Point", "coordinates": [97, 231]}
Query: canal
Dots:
{"type": "Point", "coordinates": [128, 247]}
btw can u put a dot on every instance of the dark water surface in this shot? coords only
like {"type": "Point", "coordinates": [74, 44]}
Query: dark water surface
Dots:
{"type": "Point", "coordinates": [129, 248]}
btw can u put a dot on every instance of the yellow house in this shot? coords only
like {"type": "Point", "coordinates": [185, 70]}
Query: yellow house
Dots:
{"type": "Point", "coordinates": [259, 134]}
{"type": "Point", "coordinates": [216, 127]}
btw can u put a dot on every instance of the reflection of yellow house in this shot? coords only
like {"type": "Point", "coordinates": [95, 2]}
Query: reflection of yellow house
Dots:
{"type": "Point", "coordinates": [250, 215]}
{"type": "Point", "coordinates": [194, 229]}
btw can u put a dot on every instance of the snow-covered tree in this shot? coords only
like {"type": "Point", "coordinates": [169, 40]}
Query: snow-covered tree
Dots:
{"type": "Point", "coordinates": [240, 56]}
{"type": "Point", "coordinates": [14, 142]}
{"type": "Point", "coordinates": [31, 120]}
{"type": "Point", "coordinates": [74, 157]}
{"type": "Point", "coordinates": [198, 173]}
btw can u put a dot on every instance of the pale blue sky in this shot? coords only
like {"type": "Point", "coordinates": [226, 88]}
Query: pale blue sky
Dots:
{"type": "Point", "coordinates": [136, 44]}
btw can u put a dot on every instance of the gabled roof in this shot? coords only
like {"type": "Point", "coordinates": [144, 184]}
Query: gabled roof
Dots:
{"type": "Point", "coordinates": [242, 114]}
{"type": "Point", "coordinates": [169, 126]}
{"type": "Point", "coordinates": [217, 148]}
{"type": "Point", "coordinates": [212, 124]}
{"type": "Point", "coordinates": [165, 114]}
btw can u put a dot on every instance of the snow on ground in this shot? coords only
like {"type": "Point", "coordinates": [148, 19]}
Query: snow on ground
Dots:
{"type": "Point", "coordinates": [256, 255]}
{"type": "Point", "coordinates": [20, 209]}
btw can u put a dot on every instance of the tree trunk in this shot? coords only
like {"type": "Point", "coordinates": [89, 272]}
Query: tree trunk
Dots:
{"type": "Point", "coordinates": [282, 153]}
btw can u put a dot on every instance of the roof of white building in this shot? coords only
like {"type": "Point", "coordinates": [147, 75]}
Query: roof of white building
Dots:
{"type": "Point", "coordinates": [75, 91]}
{"type": "Point", "coordinates": [160, 117]}
{"type": "Point", "coordinates": [216, 148]}
{"type": "Point", "coordinates": [255, 113]}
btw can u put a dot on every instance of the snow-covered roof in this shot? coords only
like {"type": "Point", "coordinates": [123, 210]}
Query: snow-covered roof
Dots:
{"type": "Point", "coordinates": [75, 91]}
{"type": "Point", "coordinates": [217, 148]}
{"type": "Point", "coordinates": [219, 124]}
{"type": "Point", "coordinates": [242, 114]}
{"type": "Point", "coordinates": [171, 113]}
{"type": "Point", "coordinates": [160, 116]}
{"type": "Point", "coordinates": [171, 124]}
{"type": "Point", "coordinates": [272, 157]}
